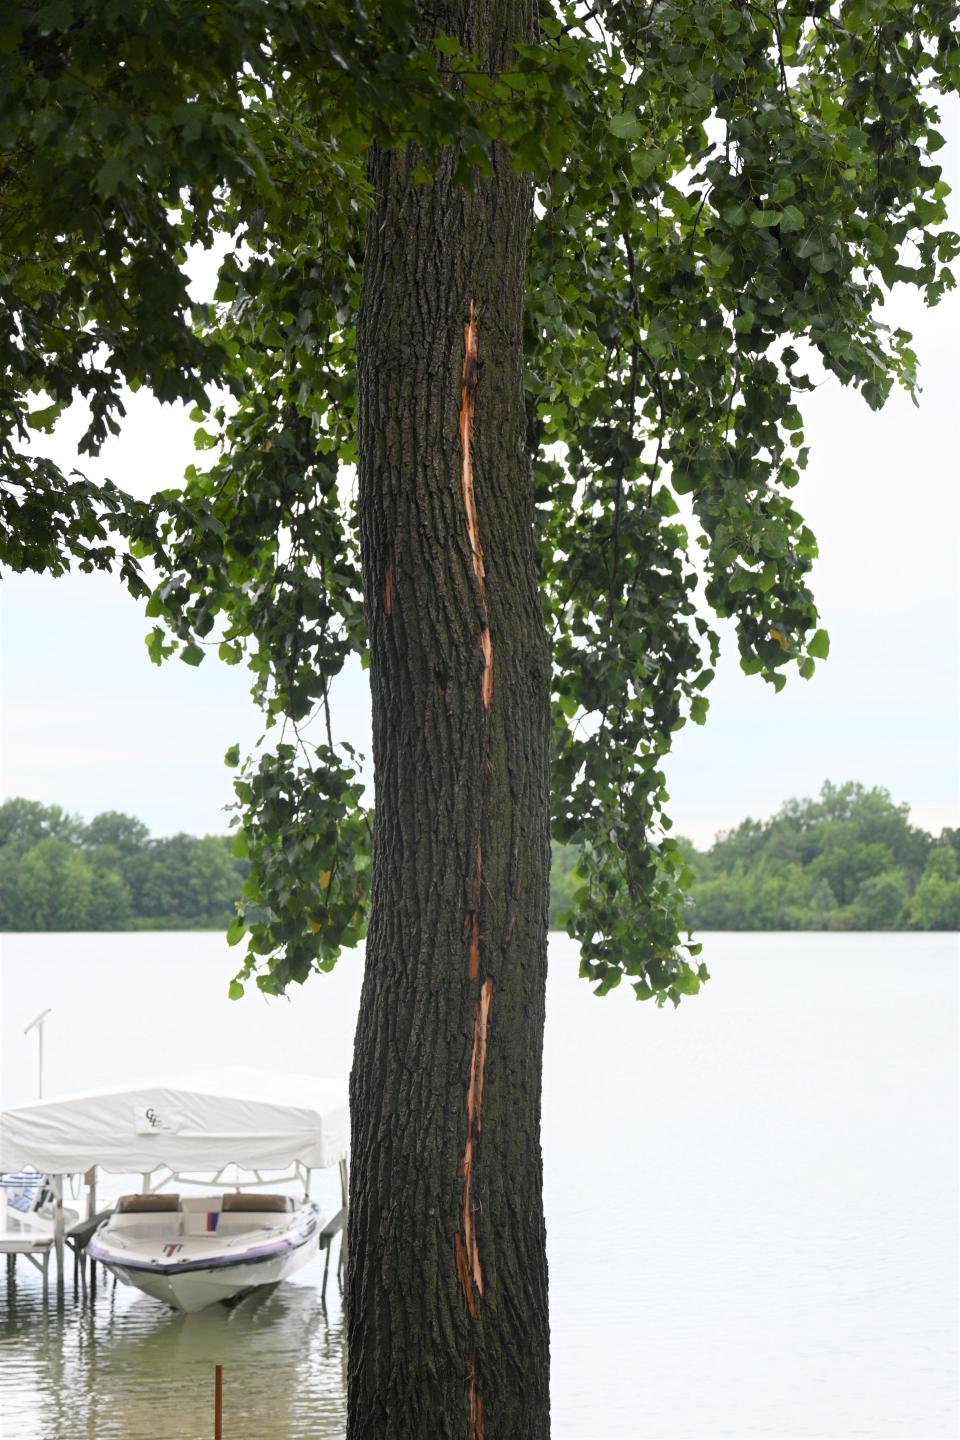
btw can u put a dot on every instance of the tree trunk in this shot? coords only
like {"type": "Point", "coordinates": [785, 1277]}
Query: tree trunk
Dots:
{"type": "Point", "coordinates": [447, 1283]}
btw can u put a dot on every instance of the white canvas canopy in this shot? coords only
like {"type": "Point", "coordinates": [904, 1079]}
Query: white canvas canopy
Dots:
{"type": "Point", "coordinates": [252, 1118]}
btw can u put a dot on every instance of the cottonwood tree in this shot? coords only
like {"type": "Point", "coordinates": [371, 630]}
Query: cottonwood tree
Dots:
{"type": "Point", "coordinates": [536, 270]}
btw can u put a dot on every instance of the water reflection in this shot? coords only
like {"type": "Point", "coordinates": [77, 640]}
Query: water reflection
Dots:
{"type": "Point", "coordinates": [126, 1366]}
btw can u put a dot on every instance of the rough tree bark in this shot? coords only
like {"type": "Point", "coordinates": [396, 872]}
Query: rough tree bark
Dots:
{"type": "Point", "coordinates": [447, 1283]}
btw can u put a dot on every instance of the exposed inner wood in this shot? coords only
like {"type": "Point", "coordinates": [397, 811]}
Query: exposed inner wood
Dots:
{"type": "Point", "coordinates": [467, 408]}
{"type": "Point", "coordinates": [486, 680]}
{"type": "Point", "coordinates": [473, 969]}
{"type": "Point", "coordinates": [474, 1405]}
{"type": "Point", "coordinates": [472, 917]}
{"type": "Point", "coordinates": [463, 1274]}
{"type": "Point", "coordinates": [467, 1249]}
{"type": "Point", "coordinates": [468, 401]}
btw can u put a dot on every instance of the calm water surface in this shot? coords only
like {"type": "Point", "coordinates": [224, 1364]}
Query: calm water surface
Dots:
{"type": "Point", "coordinates": [751, 1202]}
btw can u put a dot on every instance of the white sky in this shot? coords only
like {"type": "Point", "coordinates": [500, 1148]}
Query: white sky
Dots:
{"type": "Point", "coordinates": [89, 723]}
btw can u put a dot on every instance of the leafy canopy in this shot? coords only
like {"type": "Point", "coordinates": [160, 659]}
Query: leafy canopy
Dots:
{"type": "Point", "coordinates": [725, 193]}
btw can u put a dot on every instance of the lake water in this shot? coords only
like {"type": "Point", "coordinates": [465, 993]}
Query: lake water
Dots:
{"type": "Point", "coordinates": [752, 1206]}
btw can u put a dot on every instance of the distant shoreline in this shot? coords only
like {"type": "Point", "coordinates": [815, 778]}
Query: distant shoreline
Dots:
{"type": "Point", "coordinates": [145, 929]}
{"type": "Point", "coordinates": [847, 861]}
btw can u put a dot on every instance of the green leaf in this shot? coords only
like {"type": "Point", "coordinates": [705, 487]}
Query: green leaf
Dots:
{"type": "Point", "coordinates": [112, 175]}
{"type": "Point", "coordinates": [45, 419]}
{"type": "Point", "coordinates": [808, 245]}
{"type": "Point", "coordinates": [626, 126]}
{"type": "Point", "coordinates": [819, 646]}
{"type": "Point", "coordinates": [157, 649]}
{"type": "Point", "coordinates": [665, 502]}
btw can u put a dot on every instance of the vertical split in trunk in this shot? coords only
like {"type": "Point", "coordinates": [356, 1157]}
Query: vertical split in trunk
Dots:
{"type": "Point", "coordinates": [466, 1246]}
{"type": "Point", "coordinates": [447, 1275]}
{"type": "Point", "coordinates": [468, 405]}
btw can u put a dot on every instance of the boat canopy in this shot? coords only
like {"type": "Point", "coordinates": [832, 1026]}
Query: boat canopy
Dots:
{"type": "Point", "coordinates": [257, 1119]}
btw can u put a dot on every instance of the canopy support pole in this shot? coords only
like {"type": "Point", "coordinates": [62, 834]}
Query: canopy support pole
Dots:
{"type": "Point", "coordinates": [326, 1271]}
{"type": "Point", "coordinates": [58, 1233]}
{"type": "Point", "coordinates": [90, 1180]}
{"type": "Point", "coordinates": [345, 1195]}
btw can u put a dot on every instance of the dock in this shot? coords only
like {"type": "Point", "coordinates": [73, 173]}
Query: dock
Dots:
{"type": "Point", "coordinates": [36, 1243]}
{"type": "Point", "coordinates": [37, 1248]}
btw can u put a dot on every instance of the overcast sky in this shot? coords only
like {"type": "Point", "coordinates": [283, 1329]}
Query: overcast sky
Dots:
{"type": "Point", "coordinates": [89, 723]}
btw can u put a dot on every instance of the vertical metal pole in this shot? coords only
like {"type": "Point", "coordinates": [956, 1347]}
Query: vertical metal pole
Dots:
{"type": "Point", "coordinates": [344, 1238]}
{"type": "Point", "coordinates": [326, 1271]}
{"type": "Point", "coordinates": [58, 1232]}
{"type": "Point", "coordinates": [90, 1180]}
{"type": "Point", "coordinates": [37, 1024]}
{"type": "Point", "coordinates": [218, 1402]}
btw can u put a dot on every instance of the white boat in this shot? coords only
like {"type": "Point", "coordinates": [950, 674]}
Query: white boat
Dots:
{"type": "Point", "coordinates": [194, 1251]}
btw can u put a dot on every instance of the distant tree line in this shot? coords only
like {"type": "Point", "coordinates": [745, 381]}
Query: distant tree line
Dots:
{"type": "Point", "coordinates": [57, 873]}
{"type": "Point", "coordinates": [849, 860]}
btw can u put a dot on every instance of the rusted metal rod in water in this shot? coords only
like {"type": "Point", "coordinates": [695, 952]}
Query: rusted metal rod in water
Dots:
{"type": "Point", "coordinates": [218, 1403]}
